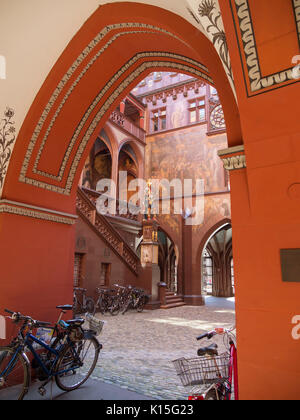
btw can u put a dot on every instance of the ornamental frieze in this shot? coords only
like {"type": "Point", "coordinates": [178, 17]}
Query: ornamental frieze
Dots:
{"type": "Point", "coordinates": [233, 158]}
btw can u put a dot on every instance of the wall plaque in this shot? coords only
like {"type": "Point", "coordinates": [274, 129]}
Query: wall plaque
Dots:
{"type": "Point", "coordinates": [290, 265]}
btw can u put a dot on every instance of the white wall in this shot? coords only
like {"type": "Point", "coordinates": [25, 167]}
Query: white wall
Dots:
{"type": "Point", "coordinates": [33, 34]}
{"type": "Point", "coordinates": [2, 328]}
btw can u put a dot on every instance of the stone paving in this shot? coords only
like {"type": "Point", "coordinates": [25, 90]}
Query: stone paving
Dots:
{"type": "Point", "coordinates": [138, 348]}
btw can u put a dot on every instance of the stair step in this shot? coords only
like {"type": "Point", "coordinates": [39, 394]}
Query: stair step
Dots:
{"type": "Point", "coordinates": [173, 305]}
{"type": "Point", "coordinates": [174, 299]}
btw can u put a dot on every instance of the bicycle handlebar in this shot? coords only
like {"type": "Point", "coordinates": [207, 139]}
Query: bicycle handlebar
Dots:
{"type": "Point", "coordinates": [17, 317]}
{"type": "Point", "coordinates": [216, 331]}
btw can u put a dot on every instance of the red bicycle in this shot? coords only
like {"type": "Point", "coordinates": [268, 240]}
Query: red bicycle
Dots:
{"type": "Point", "coordinates": [212, 376]}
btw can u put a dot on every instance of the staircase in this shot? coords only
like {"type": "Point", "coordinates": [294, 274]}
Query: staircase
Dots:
{"type": "Point", "coordinates": [172, 300]}
{"type": "Point", "coordinates": [86, 208]}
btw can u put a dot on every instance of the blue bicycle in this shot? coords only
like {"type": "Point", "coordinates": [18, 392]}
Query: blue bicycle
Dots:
{"type": "Point", "coordinates": [70, 357]}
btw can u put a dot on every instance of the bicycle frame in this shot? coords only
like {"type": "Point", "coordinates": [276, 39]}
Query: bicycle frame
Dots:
{"type": "Point", "coordinates": [29, 339]}
{"type": "Point", "coordinates": [233, 370]}
{"type": "Point", "coordinates": [233, 376]}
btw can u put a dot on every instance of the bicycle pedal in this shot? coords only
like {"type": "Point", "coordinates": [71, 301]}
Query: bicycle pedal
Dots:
{"type": "Point", "coordinates": [42, 391]}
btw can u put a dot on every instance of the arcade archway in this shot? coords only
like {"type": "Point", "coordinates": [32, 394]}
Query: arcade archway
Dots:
{"type": "Point", "coordinates": [79, 94]}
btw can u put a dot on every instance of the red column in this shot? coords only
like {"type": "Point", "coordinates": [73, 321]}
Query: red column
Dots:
{"type": "Point", "coordinates": [122, 107]}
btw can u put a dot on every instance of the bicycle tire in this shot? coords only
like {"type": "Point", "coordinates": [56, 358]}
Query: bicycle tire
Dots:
{"type": "Point", "coordinates": [69, 381]}
{"type": "Point", "coordinates": [114, 309]}
{"type": "Point", "coordinates": [16, 384]}
{"type": "Point", "coordinates": [125, 307]}
{"type": "Point", "coordinates": [140, 305]}
{"type": "Point", "coordinates": [100, 305]}
{"type": "Point", "coordinates": [77, 308]}
{"type": "Point", "coordinates": [211, 395]}
{"type": "Point", "coordinates": [90, 306]}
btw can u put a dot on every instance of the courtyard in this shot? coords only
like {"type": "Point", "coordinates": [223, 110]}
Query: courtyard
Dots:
{"type": "Point", "coordinates": [138, 348]}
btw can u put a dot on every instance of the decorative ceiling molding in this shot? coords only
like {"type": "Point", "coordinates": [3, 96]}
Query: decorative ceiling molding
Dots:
{"type": "Point", "coordinates": [21, 209]}
{"type": "Point", "coordinates": [255, 82]}
{"type": "Point", "coordinates": [207, 14]}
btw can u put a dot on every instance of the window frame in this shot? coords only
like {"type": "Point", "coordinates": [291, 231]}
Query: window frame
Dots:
{"type": "Point", "coordinates": [161, 116]}
{"type": "Point", "coordinates": [196, 105]}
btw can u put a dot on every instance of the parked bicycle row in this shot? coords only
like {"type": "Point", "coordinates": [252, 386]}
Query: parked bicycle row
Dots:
{"type": "Point", "coordinates": [118, 299]}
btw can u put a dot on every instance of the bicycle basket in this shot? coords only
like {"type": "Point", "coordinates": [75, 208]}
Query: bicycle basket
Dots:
{"type": "Point", "coordinates": [203, 370]}
{"type": "Point", "coordinates": [95, 324]}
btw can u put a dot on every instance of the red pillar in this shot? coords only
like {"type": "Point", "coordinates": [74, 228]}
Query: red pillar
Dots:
{"type": "Point", "coordinates": [122, 106]}
{"type": "Point", "coordinates": [39, 261]}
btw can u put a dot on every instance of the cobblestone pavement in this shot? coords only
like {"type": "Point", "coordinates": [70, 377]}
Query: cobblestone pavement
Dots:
{"type": "Point", "coordinates": [138, 348]}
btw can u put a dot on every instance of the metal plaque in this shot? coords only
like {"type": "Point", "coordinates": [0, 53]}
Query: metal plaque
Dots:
{"type": "Point", "coordinates": [290, 265]}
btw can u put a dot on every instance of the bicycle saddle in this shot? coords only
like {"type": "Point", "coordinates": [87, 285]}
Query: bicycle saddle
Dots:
{"type": "Point", "coordinates": [211, 350]}
{"type": "Point", "coordinates": [75, 322]}
{"type": "Point", "coordinates": [65, 307]}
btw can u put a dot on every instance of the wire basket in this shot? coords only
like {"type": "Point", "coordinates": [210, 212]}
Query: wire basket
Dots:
{"type": "Point", "coordinates": [95, 324]}
{"type": "Point", "coordinates": [203, 370]}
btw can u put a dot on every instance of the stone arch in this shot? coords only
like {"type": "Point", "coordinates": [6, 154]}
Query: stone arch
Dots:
{"type": "Point", "coordinates": [205, 240]}
{"type": "Point", "coordinates": [70, 110]}
{"type": "Point", "coordinates": [61, 97]}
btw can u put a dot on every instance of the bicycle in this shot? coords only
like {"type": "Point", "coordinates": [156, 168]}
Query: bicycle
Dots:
{"type": "Point", "coordinates": [105, 301]}
{"type": "Point", "coordinates": [216, 374]}
{"type": "Point", "coordinates": [70, 359]}
{"type": "Point", "coordinates": [111, 300]}
{"type": "Point", "coordinates": [82, 303]}
{"type": "Point", "coordinates": [136, 299]}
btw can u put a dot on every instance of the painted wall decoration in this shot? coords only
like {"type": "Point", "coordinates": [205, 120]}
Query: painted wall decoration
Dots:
{"type": "Point", "coordinates": [188, 154]}
{"type": "Point", "coordinates": [249, 18]}
{"type": "Point", "coordinates": [207, 14]}
{"type": "Point", "coordinates": [7, 140]}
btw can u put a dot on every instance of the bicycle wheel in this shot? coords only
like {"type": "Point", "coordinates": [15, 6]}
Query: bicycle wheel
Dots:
{"type": "Point", "coordinates": [114, 309]}
{"type": "Point", "coordinates": [125, 308]}
{"type": "Point", "coordinates": [77, 310]}
{"type": "Point", "coordinates": [90, 306]}
{"type": "Point", "coordinates": [140, 304]}
{"type": "Point", "coordinates": [212, 395]}
{"type": "Point", "coordinates": [14, 384]}
{"type": "Point", "coordinates": [104, 307]}
{"type": "Point", "coordinates": [76, 363]}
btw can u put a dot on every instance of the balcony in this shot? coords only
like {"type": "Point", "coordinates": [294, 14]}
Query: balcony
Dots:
{"type": "Point", "coordinates": [126, 124]}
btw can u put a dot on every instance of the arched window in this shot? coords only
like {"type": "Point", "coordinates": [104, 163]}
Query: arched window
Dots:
{"type": "Point", "coordinates": [207, 273]}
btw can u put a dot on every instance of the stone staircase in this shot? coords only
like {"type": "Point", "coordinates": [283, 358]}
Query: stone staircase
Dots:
{"type": "Point", "coordinates": [86, 208]}
{"type": "Point", "coordinates": [172, 301]}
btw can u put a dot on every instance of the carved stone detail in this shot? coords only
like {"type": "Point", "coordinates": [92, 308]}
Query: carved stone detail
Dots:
{"type": "Point", "coordinates": [233, 158]}
{"type": "Point", "coordinates": [216, 115]}
{"type": "Point", "coordinates": [234, 162]}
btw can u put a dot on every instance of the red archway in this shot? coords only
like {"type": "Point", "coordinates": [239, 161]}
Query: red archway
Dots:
{"type": "Point", "coordinates": [98, 68]}
{"type": "Point", "coordinates": [71, 108]}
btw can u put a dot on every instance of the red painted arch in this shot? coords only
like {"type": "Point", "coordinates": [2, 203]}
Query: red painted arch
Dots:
{"type": "Point", "coordinates": [65, 118]}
